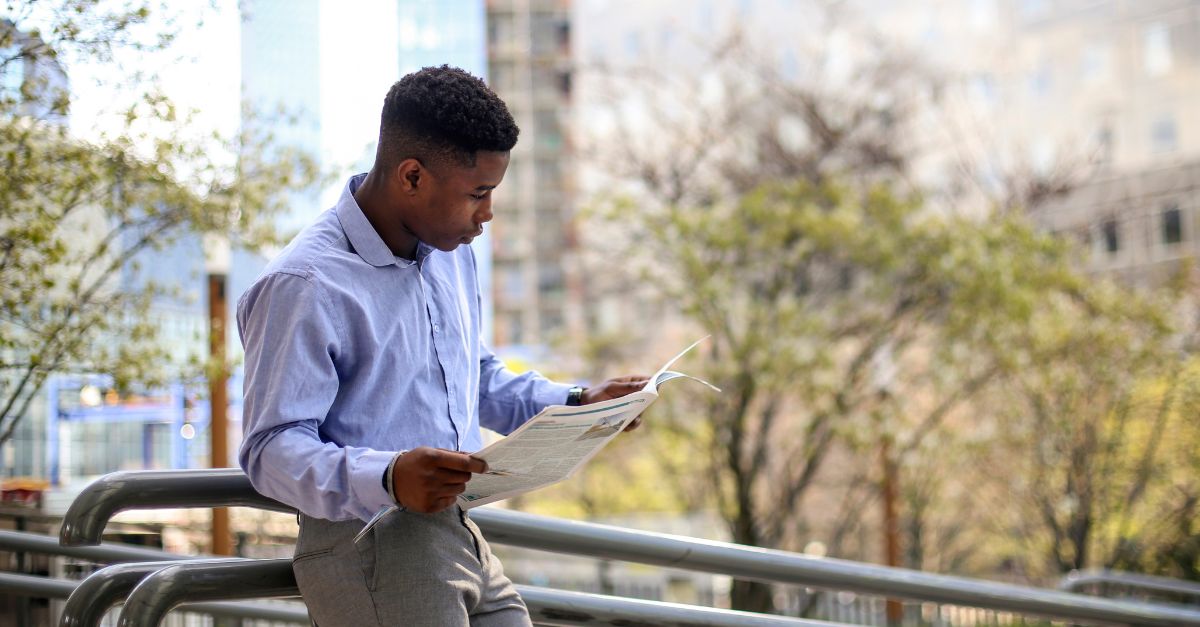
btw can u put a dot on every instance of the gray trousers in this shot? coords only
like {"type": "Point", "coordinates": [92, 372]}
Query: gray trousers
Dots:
{"type": "Point", "coordinates": [410, 569]}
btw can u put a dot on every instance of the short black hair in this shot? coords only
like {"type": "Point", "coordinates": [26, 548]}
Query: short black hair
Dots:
{"type": "Point", "coordinates": [442, 114]}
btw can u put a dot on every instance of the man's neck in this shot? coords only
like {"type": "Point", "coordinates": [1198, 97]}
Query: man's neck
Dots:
{"type": "Point", "coordinates": [371, 197]}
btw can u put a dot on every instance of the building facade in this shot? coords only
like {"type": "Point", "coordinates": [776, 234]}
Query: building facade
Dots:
{"type": "Point", "coordinates": [529, 66]}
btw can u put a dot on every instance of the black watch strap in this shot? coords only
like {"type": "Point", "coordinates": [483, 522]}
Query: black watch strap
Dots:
{"type": "Point", "coordinates": [575, 396]}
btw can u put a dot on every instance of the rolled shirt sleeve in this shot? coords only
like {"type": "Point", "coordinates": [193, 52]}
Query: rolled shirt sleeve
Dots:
{"type": "Point", "coordinates": [292, 340]}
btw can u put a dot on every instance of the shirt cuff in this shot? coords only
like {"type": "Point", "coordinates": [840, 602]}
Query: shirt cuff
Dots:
{"type": "Point", "coordinates": [364, 479]}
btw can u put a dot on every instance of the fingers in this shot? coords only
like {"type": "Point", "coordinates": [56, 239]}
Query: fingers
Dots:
{"type": "Point", "coordinates": [429, 480]}
{"type": "Point", "coordinates": [463, 462]}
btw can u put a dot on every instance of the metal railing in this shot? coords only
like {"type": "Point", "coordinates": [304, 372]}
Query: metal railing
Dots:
{"type": "Point", "coordinates": [1081, 579]}
{"type": "Point", "coordinates": [178, 582]}
{"type": "Point", "coordinates": [47, 588]}
{"type": "Point", "coordinates": [88, 514]}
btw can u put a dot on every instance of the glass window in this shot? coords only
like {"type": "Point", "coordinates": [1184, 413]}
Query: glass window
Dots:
{"type": "Point", "coordinates": [1040, 80]}
{"type": "Point", "coordinates": [1112, 241]}
{"type": "Point", "coordinates": [982, 88]}
{"type": "Point", "coordinates": [1156, 49]}
{"type": "Point", "coordinates": [983, 13]}
{"type": "Point", "coordinates": [1104, 144]}
{"type": "Point", "coordinates": [633, 44]}
{"type": "Point", "coordinates": [1172, 225]}
{"type": "Point", "coordinates": [1033, 8]}
{"type": "Point", "coordinates": [1096, 65]}
{"type": "Point", "coordinates": [1164, 134]}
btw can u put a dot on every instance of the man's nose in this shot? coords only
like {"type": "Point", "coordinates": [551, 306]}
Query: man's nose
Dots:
{"type": "Point", "coordinates": [484, 214]}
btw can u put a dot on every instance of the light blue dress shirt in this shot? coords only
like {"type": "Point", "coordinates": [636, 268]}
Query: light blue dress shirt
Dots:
{"type": "Point", "coordinates": [353, 354]}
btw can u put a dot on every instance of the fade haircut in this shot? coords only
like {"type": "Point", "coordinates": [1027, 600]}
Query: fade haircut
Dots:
{"type": "Point", "coordinates": [442, 115]}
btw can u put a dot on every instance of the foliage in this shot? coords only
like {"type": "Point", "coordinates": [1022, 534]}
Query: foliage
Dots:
{"type": "Point", "coordinates": [78, 215]}
{"type": "Point", "coordinates": [1099, 436]}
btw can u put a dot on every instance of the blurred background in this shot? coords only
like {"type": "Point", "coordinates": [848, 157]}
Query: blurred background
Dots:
{"type": "Point", "coordinates": [944, 249]}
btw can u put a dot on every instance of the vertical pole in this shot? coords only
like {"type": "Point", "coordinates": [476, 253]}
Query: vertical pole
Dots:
{"type": "Point", "coordinates": [891, 525]}
{"type": "Point", "coordinates": [53, 457]}
{"type": "Point", "coordinates": [218, 404]}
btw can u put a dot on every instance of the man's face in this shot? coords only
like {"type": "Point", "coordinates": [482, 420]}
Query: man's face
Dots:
{"type": "Point", "coordinates": [456, 201]}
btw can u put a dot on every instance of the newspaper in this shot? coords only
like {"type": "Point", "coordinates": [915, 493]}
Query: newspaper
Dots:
{"type": "Point", "coordinates": [553, 445]}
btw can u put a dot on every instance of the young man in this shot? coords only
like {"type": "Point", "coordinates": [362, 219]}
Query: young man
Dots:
{"type": "Point", "coordinates": [366, 379]}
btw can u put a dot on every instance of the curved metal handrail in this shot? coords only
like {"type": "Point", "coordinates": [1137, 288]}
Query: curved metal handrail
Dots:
{"type": "Point", "coordinates": [115, 492]}
{"type": "Point", "coordinates": [210, 580]}
{"type": "Point", "coordinates": [47, 588]}
{"type": "Point", "coordinates": [101, 590]}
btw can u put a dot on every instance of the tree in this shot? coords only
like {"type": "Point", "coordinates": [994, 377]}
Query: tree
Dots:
{"type": "Point", "coordinates": [848, 318]}
{"type": "Point", "coordinates": [77, 214]}
{"type": "Point", "coordinates": [1097, 429]}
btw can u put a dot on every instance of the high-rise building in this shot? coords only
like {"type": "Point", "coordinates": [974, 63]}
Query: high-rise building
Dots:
{"type": "Point", "coordinates": [529, 65]}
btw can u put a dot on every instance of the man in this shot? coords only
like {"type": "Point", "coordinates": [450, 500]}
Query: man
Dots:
{"type": "Point", "coordinates": [366, 380]}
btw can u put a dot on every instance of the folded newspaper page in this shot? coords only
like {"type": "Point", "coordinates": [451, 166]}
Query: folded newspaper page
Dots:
{"type": "Point", "coordinates": [557, 442]}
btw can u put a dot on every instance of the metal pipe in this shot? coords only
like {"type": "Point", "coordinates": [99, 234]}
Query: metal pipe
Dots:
{"type": "Point", "coordinates": [156, 489]}
{"type": "Point", "coordinates": [208, 488]}
{"type": "Point", "coordinates": [46, 588]}
{"type": "Point", "coordinates": [1077, 579]}
{"type": "Point", "coordinates": [103, 589]}
{"type": "Point", "coordinates": [105, 553]}
{"type": "Point", "coordinates": [558, 607]}
{"type": "Point", "coordinates": [162, 590]}
{"type": "Point", "coordinates": [209, 580]}
{"type": "Point", "coordinates": [602, 541]}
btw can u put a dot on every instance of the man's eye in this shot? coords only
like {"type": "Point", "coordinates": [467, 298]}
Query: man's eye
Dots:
{"type": "Point", "coordinates": [479, 196]}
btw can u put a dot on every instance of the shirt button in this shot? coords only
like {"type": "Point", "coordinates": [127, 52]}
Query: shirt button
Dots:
{"type": "Point", "coordinates": [435, 328]}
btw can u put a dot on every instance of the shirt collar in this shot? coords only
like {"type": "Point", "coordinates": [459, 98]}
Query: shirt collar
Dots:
{"type": "Point", "coordinates": [363, 237]}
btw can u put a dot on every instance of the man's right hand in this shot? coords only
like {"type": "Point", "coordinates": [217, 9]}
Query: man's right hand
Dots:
{"type": "Point", "coordinates": [429, 480]}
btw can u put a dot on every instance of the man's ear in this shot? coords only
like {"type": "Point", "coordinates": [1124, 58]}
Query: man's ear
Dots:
{"type": "Point", "coordinates": [410, 174]}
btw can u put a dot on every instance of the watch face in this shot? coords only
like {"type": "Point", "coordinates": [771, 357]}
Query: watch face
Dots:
{"type": "Point", "coordinates": [574, 396]}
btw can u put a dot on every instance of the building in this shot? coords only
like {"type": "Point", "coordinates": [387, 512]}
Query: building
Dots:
{"type": "Point", "coordinates": [1127, 76]}
{"type": "Point", "coordinates": [535, 284]}
{"type": "Point", "coordinates": [1103, 92]}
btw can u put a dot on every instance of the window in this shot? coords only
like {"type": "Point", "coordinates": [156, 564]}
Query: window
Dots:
{"type": "Point", "coordinates": [1164, 135]}
{"type": "Point", "coordinates": [1156, 49]}
{"type": "Point", "coordinates": [1096, 65]}
{"type": "Point", "coordinates": [1104, 144]}
{"type": "Point", "coordinates": [633, 45]}
{"type": "Point", "coordinates": [982, 88]}
{"type": "Point", "coordinates": [1172, 225]}
{"type": "Point", "coordinates": [1112, 242]}
{"type": "Point", "coordinates": [1040, 80]}
{"type": "Point", "coordinates": [564, 83]}
{"type": "Point", "coordinates": [983, 13]}
{"type": "Point", "coordinates": [1033, 8]}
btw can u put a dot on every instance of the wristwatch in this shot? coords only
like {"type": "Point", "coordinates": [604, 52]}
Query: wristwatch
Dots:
{"type": "Point", "coordinates": [575, 396]}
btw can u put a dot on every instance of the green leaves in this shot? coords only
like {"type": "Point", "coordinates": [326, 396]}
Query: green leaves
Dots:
{"type": "Point", "coordinates": [75, 215]}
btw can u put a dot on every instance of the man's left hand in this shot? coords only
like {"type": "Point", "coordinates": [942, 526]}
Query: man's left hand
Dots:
{"type": "Point", "coordinates": [616, 388]}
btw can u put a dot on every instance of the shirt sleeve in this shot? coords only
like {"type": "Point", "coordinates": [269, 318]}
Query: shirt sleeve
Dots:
{"type": "Point", "coordinates": [291, 341]}
{"type": "Point", "coordinates": [507, 399]}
